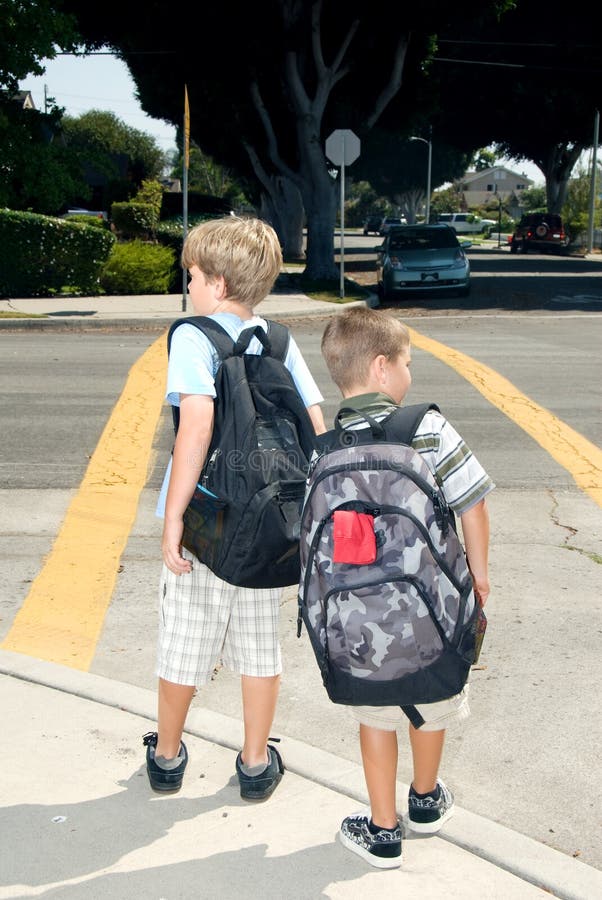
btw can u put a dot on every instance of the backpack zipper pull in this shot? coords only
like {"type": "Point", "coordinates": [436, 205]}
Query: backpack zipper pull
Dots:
{"type": "Point", "coordinates": [210, 465]}
{"type": "Point", "coordinates": [441, 513]}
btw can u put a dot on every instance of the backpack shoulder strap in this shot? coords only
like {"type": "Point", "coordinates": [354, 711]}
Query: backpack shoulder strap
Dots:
{"type": "Point", "coordinates": [403, 423]}
{"type": "Point", "coordinates": [218, 336]}
{"type": "Point", "coordinates": [279, 336]}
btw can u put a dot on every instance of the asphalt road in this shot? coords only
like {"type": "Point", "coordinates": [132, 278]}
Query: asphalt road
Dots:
{"type": "Point", "coordinates": [529, 755]}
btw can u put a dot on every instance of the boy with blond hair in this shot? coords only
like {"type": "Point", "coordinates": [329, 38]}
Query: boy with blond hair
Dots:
{"type": "Point", "coordinates": [375, 385]}
{"type": "Point", "coordinates": [232, 264]}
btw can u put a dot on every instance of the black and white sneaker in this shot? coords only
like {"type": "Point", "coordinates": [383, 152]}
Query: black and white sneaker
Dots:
{"type": "Point", "coordinates": [382, 849]}
{"type": "Point", "coordinates": [427, 814]}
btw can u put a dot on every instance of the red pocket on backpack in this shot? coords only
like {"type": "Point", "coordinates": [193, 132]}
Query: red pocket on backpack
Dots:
{"type": "Point", "coordinates": [354, 538]}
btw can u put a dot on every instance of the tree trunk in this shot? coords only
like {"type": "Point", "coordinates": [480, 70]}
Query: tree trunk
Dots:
{"type": "Point", "coordinates": [560, 164]}
{"type": "Point", "coordinates": [319, 199]}
{"type": "Point", "coordinates": [288, 216]}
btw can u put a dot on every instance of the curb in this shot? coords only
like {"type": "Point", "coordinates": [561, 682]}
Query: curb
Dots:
{"type": "Point", "coordinates": [156, 323]}
{"type": "Point", "coordinates": [527, 859]}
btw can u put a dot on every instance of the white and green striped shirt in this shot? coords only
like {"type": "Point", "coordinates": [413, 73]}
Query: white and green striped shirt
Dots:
{"type": "Point", "coordinates": [461, 477]}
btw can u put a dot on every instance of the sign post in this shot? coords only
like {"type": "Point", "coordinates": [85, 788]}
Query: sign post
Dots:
{"type": "Point", "coordinates": [342, 149]}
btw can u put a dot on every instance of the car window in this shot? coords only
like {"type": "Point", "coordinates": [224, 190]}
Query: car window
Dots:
{"type": "Point", "coordinates": [435, 239]}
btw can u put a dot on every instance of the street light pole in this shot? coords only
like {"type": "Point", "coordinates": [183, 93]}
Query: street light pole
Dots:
{"type": "Point", "coordinates": [429, 143]}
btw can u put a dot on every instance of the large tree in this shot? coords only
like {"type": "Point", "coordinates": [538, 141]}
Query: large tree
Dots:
{"type": "Point", "coordinates": [30, 31]}
{"type": "Point", "coordinates": [531, 84]}
{"type": "Point", "coordinates": [112, 154]}
{"type": "Point", "coordinates": [272, 81]}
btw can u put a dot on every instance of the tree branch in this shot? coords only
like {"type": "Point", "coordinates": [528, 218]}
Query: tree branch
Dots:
{"type": "Point", "coordinates": [394, 83]}
{"type": "Point", "coordinates": [270, 133]}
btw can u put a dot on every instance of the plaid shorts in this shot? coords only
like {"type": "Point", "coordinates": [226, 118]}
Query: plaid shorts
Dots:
{"type": "Point", "coordinates": [203, 620]}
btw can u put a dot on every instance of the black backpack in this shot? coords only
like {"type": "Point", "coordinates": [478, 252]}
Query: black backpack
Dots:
{"type": "Point", "coordinates": [385, 591]}
{"type": "Point", "coordinates": [243, 519]}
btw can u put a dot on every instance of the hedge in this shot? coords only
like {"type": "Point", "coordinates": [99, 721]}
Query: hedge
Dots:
{"type": "Point", "coordinates": [43, 255]}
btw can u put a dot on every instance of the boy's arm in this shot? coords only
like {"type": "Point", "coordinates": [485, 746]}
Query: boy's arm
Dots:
{"type": "Point", "coordinates": [475, 529]}
{"type": "Point", "coordinates": [317, 418]}
{"type": "Point", "coordinates": [190, 448]}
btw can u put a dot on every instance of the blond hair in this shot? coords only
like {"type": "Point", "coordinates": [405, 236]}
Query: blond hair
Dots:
{"type": "Point", "coordinates": [245, 251]}
{"type": "Point", "coordinates": [354, 338]}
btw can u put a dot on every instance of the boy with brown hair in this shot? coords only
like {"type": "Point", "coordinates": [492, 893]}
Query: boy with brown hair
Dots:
{"type": "Point", "coordinates": [233, 264]}
{"type": "Point", "coordinates": [375, 385]}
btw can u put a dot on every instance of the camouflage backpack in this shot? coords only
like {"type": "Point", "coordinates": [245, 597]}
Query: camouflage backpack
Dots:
{"type": "Point", "coordinates": [385, 591]}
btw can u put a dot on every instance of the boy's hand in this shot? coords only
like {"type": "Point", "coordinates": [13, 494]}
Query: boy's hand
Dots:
{"type": "Point", "coordinates": [481, 589]}
{"type": "Point", "coordinates": [171, 547]}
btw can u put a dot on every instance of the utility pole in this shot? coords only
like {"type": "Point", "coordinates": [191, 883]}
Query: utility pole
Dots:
{"type": "Point", "coordinates": [592, 184]}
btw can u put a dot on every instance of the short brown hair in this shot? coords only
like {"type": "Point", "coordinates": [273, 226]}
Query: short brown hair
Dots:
{"type": "Point", "coordinates": [245, 251]}
{"type": "Point", "coordinates": [354, 338]}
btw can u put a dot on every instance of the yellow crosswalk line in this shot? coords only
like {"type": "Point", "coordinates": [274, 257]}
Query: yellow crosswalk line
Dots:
{"type": "Point", "coordinates": [581, 458]}
{"type": "Point", "coordinates": [62, 616]}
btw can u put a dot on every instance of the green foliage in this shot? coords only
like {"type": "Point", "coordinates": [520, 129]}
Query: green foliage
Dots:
{"type": "Point", "coordinates": [363, 201]}
{"type": "Point", "coordinates": [40, 255]}
{"type": "Point", "coordinates": [151, 192]}
{"type": "Point", "coordinates": [170, 232]}
{"type": "Point", "coordinates": [29, 32]}
{"type": "Point", "coordinates": [139, 268]}
{"type": "Point", "coordinates": [206, 176]}
{"type": "Point", "coordinates": [483, 159]}
{"type": "Point", "coordinates": [575, 212]}
{"type": "Point", "coordinates": [84, 219]}
{"type": "Point", "coordinates": [37, 171]}
{"type": "Point", "coordinates": [534, 200]}
{"type": "Point", "coordinates": [133, 220]}
{"type": "Point", "coordinates": [120, 156]}
{"type": "Point", "coordinates": [448, 200]}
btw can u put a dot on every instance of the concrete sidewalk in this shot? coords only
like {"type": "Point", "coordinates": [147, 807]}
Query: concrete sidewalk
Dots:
{"type": "Point", "coordinates": [79, 820]}
{"type": "Point", "coordinates": [149, 312]}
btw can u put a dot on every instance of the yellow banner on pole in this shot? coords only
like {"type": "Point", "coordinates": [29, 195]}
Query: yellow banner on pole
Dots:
{"type": "Point", "coordinates": [186, 129]}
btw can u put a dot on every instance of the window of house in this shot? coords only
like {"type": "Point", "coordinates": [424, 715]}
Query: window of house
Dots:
{"type": "Point", "coordinates": [521, 187]}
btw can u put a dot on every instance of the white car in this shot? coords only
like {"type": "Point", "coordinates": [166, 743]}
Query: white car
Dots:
{"type": "Point", "coordinates": [464, 223]}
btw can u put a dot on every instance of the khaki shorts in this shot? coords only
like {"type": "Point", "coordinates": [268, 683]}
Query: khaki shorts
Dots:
{"type": "Point", "coordinates": [437, 716]}
{"type": "Point", "coordinates": [204, 620]}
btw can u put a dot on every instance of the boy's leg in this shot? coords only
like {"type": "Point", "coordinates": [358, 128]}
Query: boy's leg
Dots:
{"type": "Point", "coordinates": [427, 750]}
{"type": "Point", "coordinates": [259, 696]}
{"type": "Point", "coordinates": [376, 836]}
{"type": "Point", "coordinates": [174, 703]}
{"type": "Point", "coordinates": [379, 759]}
{"type": "Point", "coordinates": [430, 802]}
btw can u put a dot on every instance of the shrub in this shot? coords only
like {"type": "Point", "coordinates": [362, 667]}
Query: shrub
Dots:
{"type": "Point", "coordinates": [139, 268]}
{"type": "Point", "coordinates": [133, 219]}
{"type": "Point", "coordinates": [43, 255]}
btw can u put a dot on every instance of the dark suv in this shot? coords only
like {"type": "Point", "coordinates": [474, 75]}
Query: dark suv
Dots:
{"type": "Point", "coordinates": [372, 224]}
{"type": "Point", "coordinates": [539, 231]}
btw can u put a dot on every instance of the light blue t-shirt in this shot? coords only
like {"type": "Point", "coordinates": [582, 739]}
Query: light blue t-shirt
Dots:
{"type": "Point", "coordinates": [193, 362]}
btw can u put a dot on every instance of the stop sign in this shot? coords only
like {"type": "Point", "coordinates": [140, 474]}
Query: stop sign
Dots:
{"type": "Point", "coordinates": [343, 147]}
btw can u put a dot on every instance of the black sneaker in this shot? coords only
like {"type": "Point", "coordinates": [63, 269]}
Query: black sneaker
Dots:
{"type": "Point", "coordinates": [167, 781]}
{"type": "Point", "coordinates": [382, 849]}
{"type": "Point", "coordinates": [259, 787]}
{"type": "Point", "coordinates": [427, 815]}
